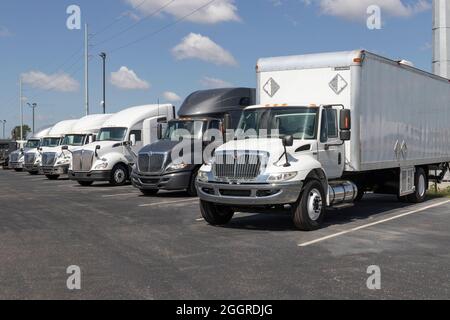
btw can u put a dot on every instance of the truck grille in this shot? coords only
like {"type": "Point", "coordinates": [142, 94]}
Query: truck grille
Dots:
{"type": "Point", "coordinates": [239, 166]}
{"type": "Point", "coordinates": [30, 158]}
{"type": "Point", "coordinates": [48, 159]}
{"type": "Point", "coordinates": [14, 157]}
{"type": "Point", "coordinates": [82, 160]}
{"type": "Point", "coordinates": [151, 163]}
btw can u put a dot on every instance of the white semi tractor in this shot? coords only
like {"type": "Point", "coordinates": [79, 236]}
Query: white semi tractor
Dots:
{"type": "Point", "coordinates": [17, 158]}
{"type": "Point", "coordinates": [33, 157]}
{"type": "Point", "coordinates": [111, 157]}
{"type": "Point", "coordinates": [328, 128]}
{"type": "Point", "coordinates": [56, 160]}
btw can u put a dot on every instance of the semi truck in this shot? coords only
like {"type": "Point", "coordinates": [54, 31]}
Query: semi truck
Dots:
{"type": "Point", "coordinates": [337, 125]}
{"type": "Point", "coordinates": [17, 158]}
{"type": "Point", "coordinates": [6, 148]}
{"type": "Point", "coordinates": [114, 152]}
{"type": "Point", "coordinates": [56, 160]}
{"type": "Point", "coordinates": [33, 157]}
{"type": "Point", "coordinates": [202, 110]}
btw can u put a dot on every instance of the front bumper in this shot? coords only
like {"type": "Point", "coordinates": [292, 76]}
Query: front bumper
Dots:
{"type": "Point", "coordinates": [15, 165]}
{"type": "Point", "coordinates": [55, 171]}
{"type": "Point", "coordinates": [31, 168]}
{"type": "Point", "coordinates": [250, 194]}
{"type": "Point", "coordinates": [172, 181]}
{"type": "Point", "coordinates": [90, 176]}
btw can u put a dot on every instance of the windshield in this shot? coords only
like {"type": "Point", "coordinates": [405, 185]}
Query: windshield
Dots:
{"type": "Point", "coordinates": [51, 142]}
{"type": "Point", "coordinates": [74, 140]}
{"type": "Point", "coordinates": [112, 134]}
{"type": "Point", "coordinates": [300, 122]}
{"type": "Point", "coordinates": [32, 144]}
{"type": "Point", "coordinates": [188, 129]}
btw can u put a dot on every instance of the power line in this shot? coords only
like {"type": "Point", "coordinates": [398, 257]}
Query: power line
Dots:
{"type": "Point", "coordinates": [177, 21]}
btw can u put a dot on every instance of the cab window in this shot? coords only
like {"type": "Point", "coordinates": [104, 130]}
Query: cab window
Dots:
{"type": "Point", "coordinates": [329, 126]}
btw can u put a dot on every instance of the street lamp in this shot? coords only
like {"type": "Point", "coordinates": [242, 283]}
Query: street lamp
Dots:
{"type": "Point", "coordinates": [4, 123]}
{"type": "Point", "coordinates": [103, 56]}
{"type": "Point", "coordinates": [32, 106]}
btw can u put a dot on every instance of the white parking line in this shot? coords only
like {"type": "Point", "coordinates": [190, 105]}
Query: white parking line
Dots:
{"type": "Point", "coordinates": [120, 195]}
{"type": "Point", "coordinates": [167, 202]}
{"type": "Point", "coordinates": [372, 224]}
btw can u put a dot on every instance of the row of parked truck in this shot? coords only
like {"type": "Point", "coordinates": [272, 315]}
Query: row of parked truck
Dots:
{"type": "Point", "coordinates": [319, 131]}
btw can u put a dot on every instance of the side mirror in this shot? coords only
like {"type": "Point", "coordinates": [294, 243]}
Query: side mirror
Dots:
{"type": "Point", "coordinates": [345, 123]}
{"type": "Point", "coordinates": [227, 122]}
{"type": "Point", "coordinates": [160, 131]}
{"type": "Point", "coordinates": [288, 141]}
{"type": "Point", "coordinates": [133, 140]}
{"type": "Point", "coordinates": [345, 135]}
{"type": "Point", "coordinates": [96, 149]}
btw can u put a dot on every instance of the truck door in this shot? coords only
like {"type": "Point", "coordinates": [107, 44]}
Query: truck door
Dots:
{"type": "Point", "coordinates": [331, 150]}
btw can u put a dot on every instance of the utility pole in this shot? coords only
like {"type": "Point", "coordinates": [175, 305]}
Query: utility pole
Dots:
{"type": "Point", "coordinates": [103, 56]}
{"type": "Point", "coordinates": [86, 67]}
{"type": "Point", "coordinates": [4, 124]}
{"type": "Point", "coordinates": [33, 106]}
{"type": "Point", "coordinates": [21, 107]}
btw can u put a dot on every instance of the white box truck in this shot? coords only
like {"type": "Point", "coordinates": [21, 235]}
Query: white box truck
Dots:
{"type": "Point", "coordinates": [17, 158]}
{"type": "Point", "coordinates": [54, 138]}
{"type": "Point", "coordinates": [56, 160]}
{"type": "Point", "coordinates": [114, 152]}
{"type": "Point", "coordinates": [328, 128]}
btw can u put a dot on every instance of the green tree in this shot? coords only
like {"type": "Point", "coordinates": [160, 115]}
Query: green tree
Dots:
{"type": "Point", "coordinates": [15, 133]}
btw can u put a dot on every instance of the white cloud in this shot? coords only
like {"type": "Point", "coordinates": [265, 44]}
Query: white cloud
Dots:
{"type": "Point", "coordinates": [4, 32]}
{"type": "Point", "coordinates": [196, 46]}
{"type": "Point", "coordinates": [61, 82]}
{"type": "Point", "coordinates": [216, 12]}
{"type": "Point", "coordinates": [171, 96]}
{"type": "Point", "coordinates": [127, 79]}
{"type": "Point", "coordinates": [357, 10]}
{"type": "Point", "coordinates": [214, 83]}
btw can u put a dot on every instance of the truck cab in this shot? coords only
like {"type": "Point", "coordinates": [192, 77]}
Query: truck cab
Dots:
{"type": "Point", "coordinates": [114, 152]}
{"type": "Point", "coordinates": [158, 167]}
{"type": "Point", "coordinates": [6, 148]}
{"type": "Point", "coordinates": [56, 160]}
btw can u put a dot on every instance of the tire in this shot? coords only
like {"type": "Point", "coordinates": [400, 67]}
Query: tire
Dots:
{"type": "Point", "coordinates": [33, 173]}
{"type": "Point", "coordinates": [309, 211]}
{"type": "Point", "coordinates": [149, 192]}
{"type": "Point", "coordinates": [216, 215]}
{"type": "Point", "coordinates": [52, 177]}
{"type": "Point", "coordinates": [119, 175]}
{"type": "Point", "coordinates": [360, 195]}
{"type": "Point", "coordinates": [18, 170]}
{"type": "Point", "coordinates": [192, 190]}
{"type": "Point", "coordinates": [85, 183]}
{"type": "Point", "coordinates": [420, 183]}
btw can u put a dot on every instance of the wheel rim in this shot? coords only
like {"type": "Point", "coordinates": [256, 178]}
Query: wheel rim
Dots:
{"type": "Point", "coordinates": [119, 176]}
{"type": "Point", "coordinates": [421, 186]}
{"type": "Point", "coordinates": [314, 204]}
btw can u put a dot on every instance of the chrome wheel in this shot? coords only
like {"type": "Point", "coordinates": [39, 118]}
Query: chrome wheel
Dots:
{"type": "Point", "coordinates": [119, 176]}
{"type": "Point", "coordinates": [314, 205]}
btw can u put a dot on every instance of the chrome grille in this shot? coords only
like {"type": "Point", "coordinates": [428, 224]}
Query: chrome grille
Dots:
{"type": "Point", "coordinates": [82, 160]}
{"type": "Point", "coordinates": [151, 163]}
{"type": "Point", "coordinates": [30, 158]}
{"type": "Point", "coordinates": [239, 166]}
{"type": "Point", "coordinates": [48, 159]}
{"type": "Point", "coordinates": [14, 157]}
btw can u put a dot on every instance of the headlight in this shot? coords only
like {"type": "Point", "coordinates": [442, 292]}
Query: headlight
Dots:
{"type": "Point", "coordinates": [63, 161]}
{"type": "Point", "coordinates": [279, 177]}
{"type": "Point", "coordinates": [202, 176]}
{"type": "Point", "coordinates": [177, 166]}
{"type": "Point", "coordinates": [101, 166]}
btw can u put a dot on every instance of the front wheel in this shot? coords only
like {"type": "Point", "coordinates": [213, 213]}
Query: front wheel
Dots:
{"type": "Point", "coordinates": [420, 183]}
{"type": "Point", "coordinates": [149, 192]}
{"type": "Point", "coordinates": [119, 175]}
{"type": "Point", "coordinates": [192, 190]}
{"type": "Point", "coordinates": [18, 170]}
{"type": "Point", "coordinates": [309, 211]}
{"type": "Point", "coordinates": [33, 173]}
{"type": "Point", "coordinates": [214, 214]}
{"type": "Point", "coordinates": [52, 177]}
{"type": "Point", "coordinates": [85, 183]}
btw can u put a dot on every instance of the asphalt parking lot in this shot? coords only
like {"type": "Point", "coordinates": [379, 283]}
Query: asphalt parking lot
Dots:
{"type": "Point", "coordinates": [133, 247]}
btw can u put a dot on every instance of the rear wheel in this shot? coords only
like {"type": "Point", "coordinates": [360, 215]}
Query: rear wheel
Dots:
{"type": "Point", "coordinates": [309, 211]}
{"type": "Point", "coordinates": [85, 183]}
{"type": "Point", "coordinates": [214, 214]}
{"type": "Point", "coordinates": [149, 192]}
{"type": "Point", "coordinates": [119, 175]}
{"type": "Point", "coordinates": [52, 177]}
{"type": "Point", "coordinates": [420, 183]}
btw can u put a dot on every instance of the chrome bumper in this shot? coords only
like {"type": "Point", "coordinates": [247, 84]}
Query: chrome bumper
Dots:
{"type": "Point", "coordinates": [31, 168]}
{"type": "Point", "coordinates": [250, 195]}
{"type": "Point", "coordinates": [15, 165]}
{"type": "Point", "coordinates": [59, 170]}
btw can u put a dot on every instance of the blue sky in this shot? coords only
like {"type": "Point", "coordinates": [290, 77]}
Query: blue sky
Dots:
{"type": "Point", "coordinates": [215, 47]}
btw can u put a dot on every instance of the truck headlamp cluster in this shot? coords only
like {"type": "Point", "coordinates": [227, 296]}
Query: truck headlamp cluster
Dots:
{"type": "Point", "coordinates": [101, 166]}
{"type": "Point", "coordinates": [177, 166]}
{"type": "Point", "coordinates": [280, 177]}
{"type": "Point", "coordinates": [202, 176]}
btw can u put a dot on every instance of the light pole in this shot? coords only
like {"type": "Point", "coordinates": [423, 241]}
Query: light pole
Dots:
{"type": "Point", "coordinates": [33, 106]}
{"type": "Point", "coordinates": [4, 123]}
{"type": "Point", "coordinates": [103, 56]}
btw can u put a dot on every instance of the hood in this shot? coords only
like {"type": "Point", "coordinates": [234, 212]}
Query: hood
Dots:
{"type": "Point", "coordinates": [162, 146]}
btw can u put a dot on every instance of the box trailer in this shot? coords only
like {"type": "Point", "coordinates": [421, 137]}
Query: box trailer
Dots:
{"type": "Point", "coordinates": [339, 124]}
